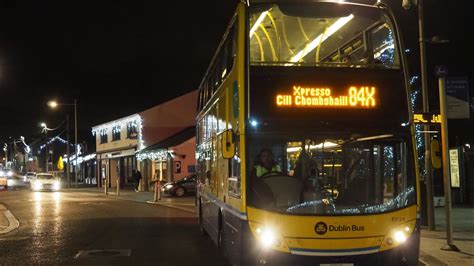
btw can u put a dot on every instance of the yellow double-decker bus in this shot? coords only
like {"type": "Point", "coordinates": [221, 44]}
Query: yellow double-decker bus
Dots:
{"type": "Point", "coordinates": [305, 142]}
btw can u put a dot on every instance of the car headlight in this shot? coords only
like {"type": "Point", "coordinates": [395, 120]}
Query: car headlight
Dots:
{"type": "Point", "coordinates": [2, 173]}
{"type": "Point", "coordinates": [37, 185]}
{"type": "Point", "coordinates": [9, 173]}
{"type": "Point", "coordinates": [168, 186]}
{"type": "Point", "coordinates": [56, 185]}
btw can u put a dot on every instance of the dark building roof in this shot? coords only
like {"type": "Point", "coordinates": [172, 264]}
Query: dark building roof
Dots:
{"type": "Point", "coordinates": [173, 140]}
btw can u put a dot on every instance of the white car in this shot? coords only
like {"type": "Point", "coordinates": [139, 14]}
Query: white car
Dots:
{"type": "Point", "coordinates": [29, 175]}
{"type": "Point", "coordinates": [44, 181]}
{"type": "Point", "coordinates": [6, 173]}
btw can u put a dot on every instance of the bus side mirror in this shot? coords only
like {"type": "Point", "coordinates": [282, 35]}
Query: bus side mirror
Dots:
{"type": "Point", "coordinates": [228, 144]}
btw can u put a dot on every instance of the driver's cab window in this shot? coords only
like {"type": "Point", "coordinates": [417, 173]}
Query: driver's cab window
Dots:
{"type": "Point", "coordinates": [330, 175]}
{"type": "Point", "coordinates": [267, 160]}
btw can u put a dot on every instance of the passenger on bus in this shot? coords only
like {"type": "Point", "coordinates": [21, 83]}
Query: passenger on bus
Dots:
{"type": "Point", "coordinates": [306, 167]}
{"type": "Point", "coordinates": [266, 164]}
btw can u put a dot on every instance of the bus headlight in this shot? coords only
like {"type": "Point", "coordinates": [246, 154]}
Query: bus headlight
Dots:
{"type": "Point", "coordinates": [400, 236]}
{"type": "Point", "coordinates": [267, 236]}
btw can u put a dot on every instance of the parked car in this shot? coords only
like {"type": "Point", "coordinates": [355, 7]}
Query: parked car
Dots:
{"type": "Point", "coordinates": [28, 176]}
{"type": "Point", "coordinates": [179, 188]}
{"type": "Point", "coordinates": [45, 181]}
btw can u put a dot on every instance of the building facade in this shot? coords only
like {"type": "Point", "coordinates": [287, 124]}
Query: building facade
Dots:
{"type": "Point", "coordinates": [116, 144]}
{"type": "Point", "coordinates": [167, 129]}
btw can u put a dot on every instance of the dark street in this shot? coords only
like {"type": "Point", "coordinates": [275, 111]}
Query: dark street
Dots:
{"type": "Point", "coordinates": [56, 226]}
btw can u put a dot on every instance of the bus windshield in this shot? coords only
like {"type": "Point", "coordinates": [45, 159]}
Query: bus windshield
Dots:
{"type": "Point", "coordinates": [324, 175]}
{"type": "Point", "coordinates": [324, 34]}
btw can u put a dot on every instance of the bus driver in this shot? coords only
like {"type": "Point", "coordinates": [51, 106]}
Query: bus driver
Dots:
{"type": "Point", "coordinates": [266, 164]}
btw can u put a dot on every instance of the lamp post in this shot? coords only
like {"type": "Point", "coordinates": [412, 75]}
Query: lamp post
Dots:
{"type": "Point", "coordinates": [53, 104]}
{"type": "Point", "coordinates": [45, 130]}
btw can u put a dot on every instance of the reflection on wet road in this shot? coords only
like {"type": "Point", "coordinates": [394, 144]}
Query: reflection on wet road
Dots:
{"type": "Point", "coordinates": [57, 226]}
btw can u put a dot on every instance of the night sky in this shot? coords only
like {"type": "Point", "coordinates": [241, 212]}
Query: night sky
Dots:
{"type": "Point", "coordinates": [121, 57]}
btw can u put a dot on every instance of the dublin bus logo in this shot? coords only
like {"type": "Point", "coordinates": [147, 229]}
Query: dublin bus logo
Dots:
{"type": "Point", "coordinates": [321, 228]}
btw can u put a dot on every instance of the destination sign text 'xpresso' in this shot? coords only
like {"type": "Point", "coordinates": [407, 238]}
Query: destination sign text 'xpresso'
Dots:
{"type": "Point", "coordinates": [355, 97]}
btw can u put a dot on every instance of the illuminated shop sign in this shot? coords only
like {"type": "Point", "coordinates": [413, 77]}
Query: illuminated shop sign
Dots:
{"type": "Point", "coordinates": [353, 97]}
{"type": "Point", "coordinates": [427, 118]}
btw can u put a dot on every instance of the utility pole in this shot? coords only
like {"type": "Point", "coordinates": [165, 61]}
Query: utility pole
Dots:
{"type": "Point", "coordinates": [68, 153]}
{"type": "Point", "coordinates": [426, 109]}
{"type": "Point", "coordinates": [5, 149]}
{"type": "Point", "coordinates": [75, 140]}
{"type": "Point", "coordinates": [46, 150]}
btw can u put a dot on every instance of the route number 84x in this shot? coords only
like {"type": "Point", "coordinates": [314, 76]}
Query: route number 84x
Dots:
{"type": "Point", "coordinates": [363, 96]}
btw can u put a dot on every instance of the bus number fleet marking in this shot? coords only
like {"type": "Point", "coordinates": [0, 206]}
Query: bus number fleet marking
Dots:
{"type": "Point", "coordinates": [363, 96]}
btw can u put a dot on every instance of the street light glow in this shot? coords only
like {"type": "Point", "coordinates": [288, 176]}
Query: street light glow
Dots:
{"type": "Point", "coordinates": [52, 104]}
{"type": "Point", "coordinates": [43, 124]}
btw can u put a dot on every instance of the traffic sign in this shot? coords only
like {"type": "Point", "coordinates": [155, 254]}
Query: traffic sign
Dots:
{"type": "Point", "coordinates": [441, 71]}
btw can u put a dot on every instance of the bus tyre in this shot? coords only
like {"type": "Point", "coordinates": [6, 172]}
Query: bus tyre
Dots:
{"type": "Point", "coordinates": [201, 227]}
{"type": "Point", "coordinates": [220, 232]}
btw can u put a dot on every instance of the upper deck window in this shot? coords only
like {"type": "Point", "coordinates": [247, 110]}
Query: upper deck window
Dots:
{"type": "Point", "coordinates": [321, 34]}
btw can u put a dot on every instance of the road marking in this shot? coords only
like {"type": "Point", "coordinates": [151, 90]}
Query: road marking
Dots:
{"type": "Point", "coordinates": [103, 253]}
{"type": "Point", "coordinates": [17, 238]}
{"type": "Point", "coordinates": [13, 222]}
{"type": "Point", "coordinates": [426, 259]}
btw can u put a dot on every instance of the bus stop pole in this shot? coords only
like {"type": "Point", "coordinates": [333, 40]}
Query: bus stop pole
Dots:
{"type": "Point", "coordinates": [446, 171]}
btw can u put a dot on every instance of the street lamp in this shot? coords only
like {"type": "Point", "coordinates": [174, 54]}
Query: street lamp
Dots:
{"type": "Point", "coordinates": [53, 104]}
{"type": "Point", "coordinates": [45, 130]}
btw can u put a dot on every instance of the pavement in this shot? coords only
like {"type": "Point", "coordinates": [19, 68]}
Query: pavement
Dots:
{"type": "Point", "coordinates": [8, 222]}
{"type": "Point", "coordinates": [186, 203]}
{"type": "Point", "coordinates": [433, 242]}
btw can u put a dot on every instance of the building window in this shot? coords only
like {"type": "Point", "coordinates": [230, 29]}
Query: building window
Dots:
{"type": "Point", "coordinates": [132, 130]}
{"type": "Point", "coordinates": [103, 136]}
{"type": "Point", "coordinates": [116, 133]}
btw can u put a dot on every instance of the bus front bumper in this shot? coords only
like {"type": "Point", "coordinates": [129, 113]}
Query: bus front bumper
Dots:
{"type": "Point", "coordinates": [405, 254]}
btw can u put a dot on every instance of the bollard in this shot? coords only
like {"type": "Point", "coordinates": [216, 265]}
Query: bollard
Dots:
{"type": "Point", "coordinates": [118, 187]}
{"type": "Point", "coordinates": [157, 191]}
{"type": "Point", "coordinates": [105, 186]}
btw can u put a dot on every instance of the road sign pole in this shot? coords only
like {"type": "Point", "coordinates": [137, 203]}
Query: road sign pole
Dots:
{"type": "Point", "coordinates": [445, 148]}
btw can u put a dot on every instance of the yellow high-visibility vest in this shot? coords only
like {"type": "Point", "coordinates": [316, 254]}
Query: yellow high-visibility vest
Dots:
{"type": "Point", "coordinates": [260, 170]}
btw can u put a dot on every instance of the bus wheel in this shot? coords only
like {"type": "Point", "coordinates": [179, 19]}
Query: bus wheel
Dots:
{"type": "Point", "coordinates": [201, 227]}
{"type": "Point", "coordinates": [220, 232]}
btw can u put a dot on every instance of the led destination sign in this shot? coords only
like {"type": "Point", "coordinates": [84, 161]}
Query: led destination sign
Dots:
{"type": "Point", "coordinates": [354, 97]}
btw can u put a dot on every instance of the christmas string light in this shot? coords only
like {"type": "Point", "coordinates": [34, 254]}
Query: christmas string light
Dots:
{"type": "Point", "coordinates": [126, 122]}
{"type": "Point", "coordinates": [159, 155]}
{"type": "Point", "coordinates": [42, 147]}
